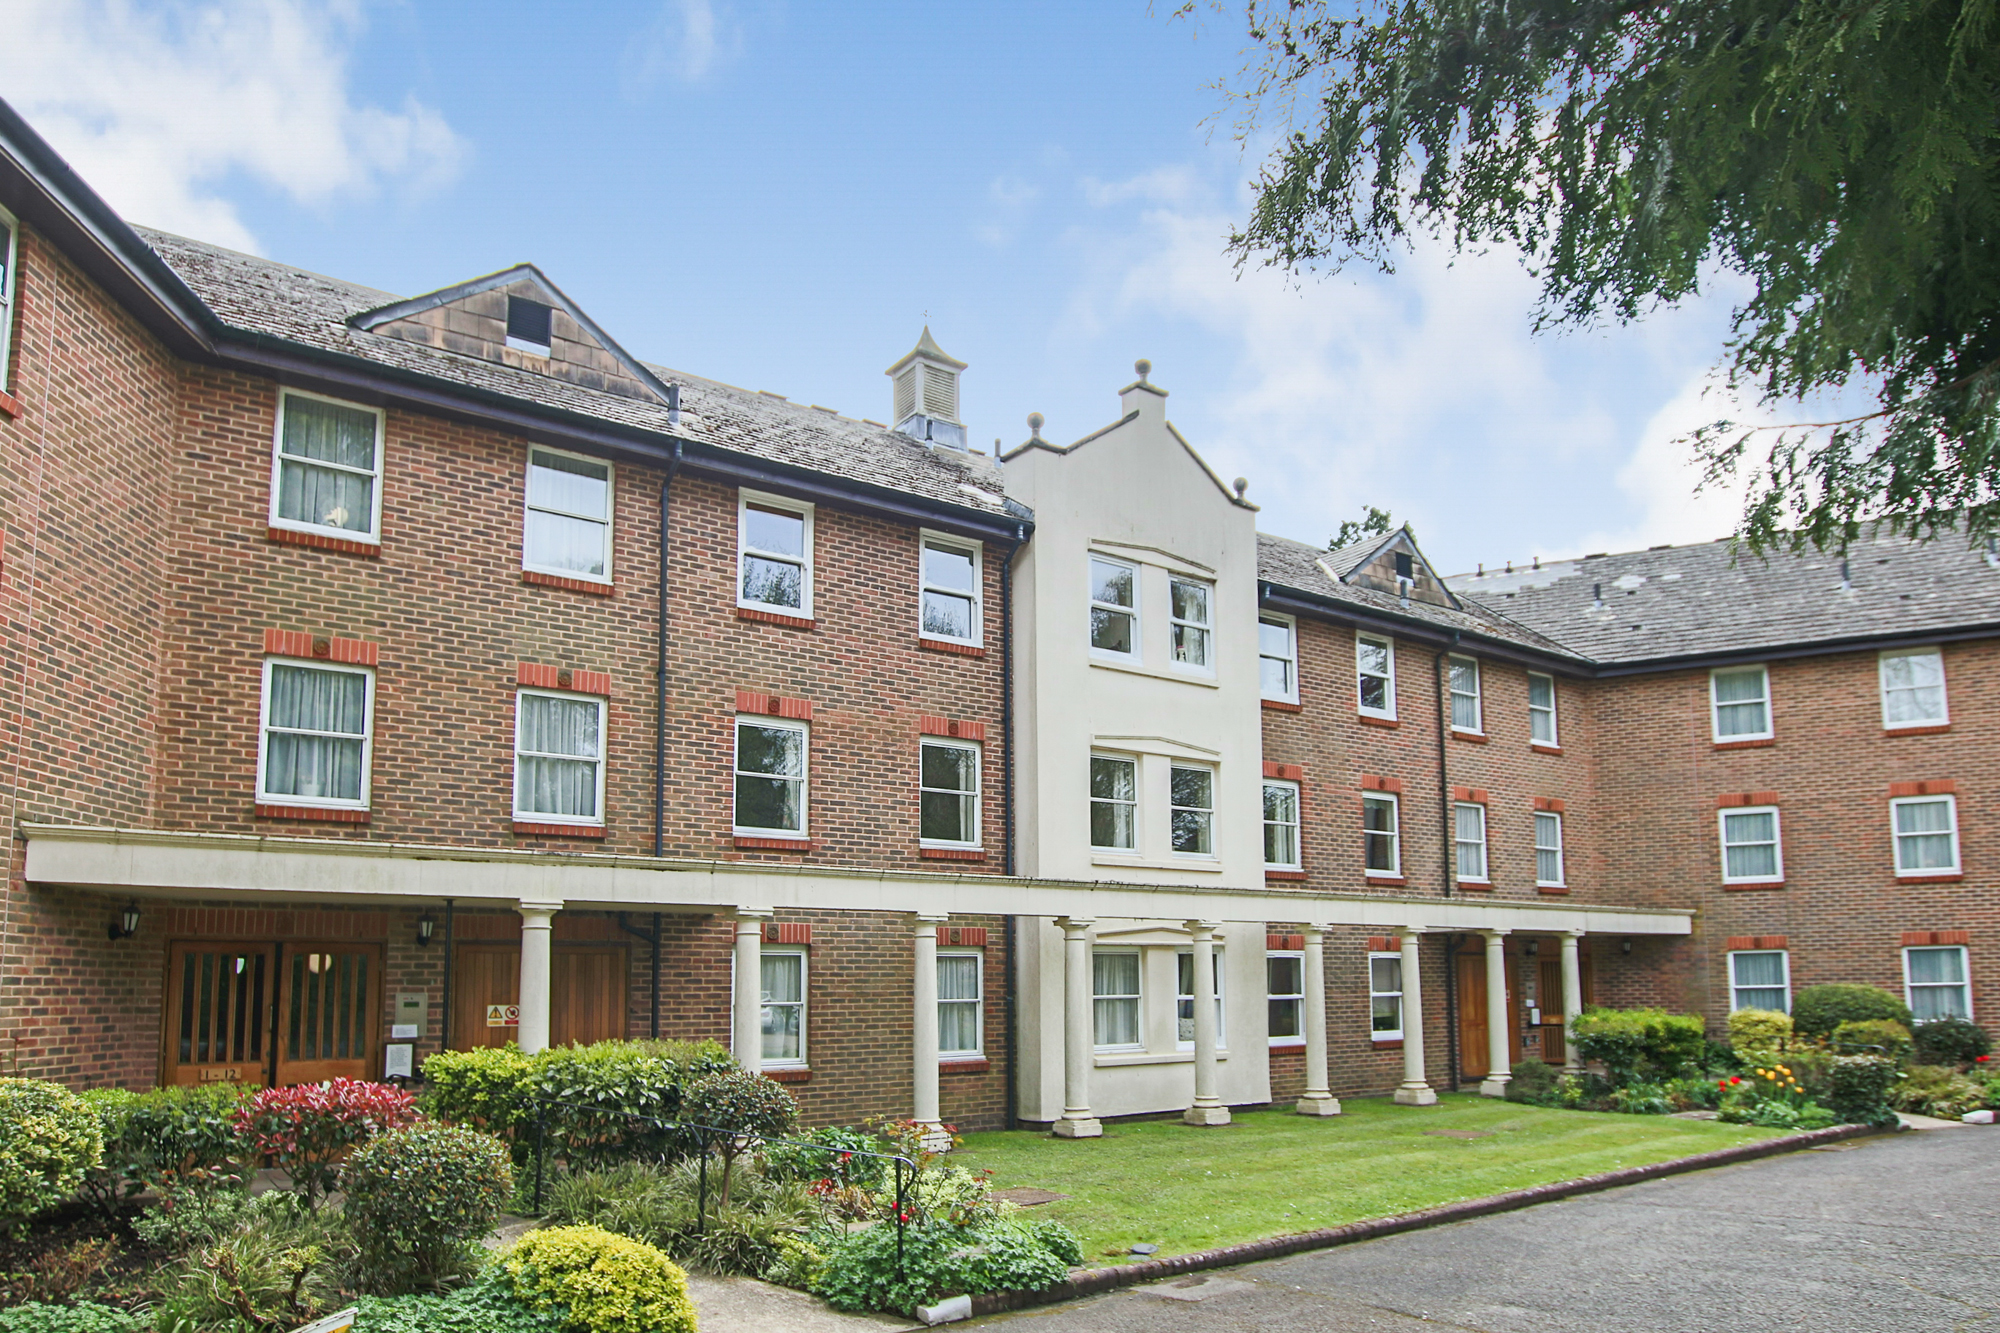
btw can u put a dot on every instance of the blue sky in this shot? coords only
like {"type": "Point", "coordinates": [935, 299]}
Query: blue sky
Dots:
{"type": "Point", "coordinates": [780, 194]}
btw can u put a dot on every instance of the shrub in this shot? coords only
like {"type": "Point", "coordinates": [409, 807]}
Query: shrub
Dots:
{"type": "Point", "coordinates": [487, 1088]}
{"type": "Point", "coordinates": [35, 1317]}
{"type": "Point", "coordinates": [107, 1185]}
{"type": "Point", "coordinates": [799, 1264]}
{"type": "Point", "coordinates": [1639, 1098]}
{"type": "Point", "coordinates": [1857, 1036]}
{"type": "Point", "coordinates": [1948, 1041]}
{"type": "Point", "coordinates": [1861, 1089]}
{"type": "Point", "coordinates": [743, 1234]}
{"type": "Point", "coordinates": [50, 1139]}
{"type": "Point", "coordinates": [1938, 1090]}
{"type": "Point", "coordinates": [419, 1198]}
{"type": "Point", "coordinates": [744, 1106]}
{"type": "Point", "coordinates": [308, 1130]}
{"type": "Point", "coordinates": [276, 1268]}
{"type": "Point", "coordinates": [487, 1304]}
{"type": "Point", "coordinates": [1057, 1239]}
{"type": "Point", "coordinates": [788, 1161]}
{"type": "Point", "coordinates": [1635, 1043]}
{"type": "Point", "coordinates": [179, 1222]}
{"type": "Point", "coordinates": [1765, 1031]}
{"type": "Point", "coordinates": [1818, 1010]}
{"type": "Point", "coordinates": [1533, 1081]}
{"type": "Point", "coordinates": [180, 1139]}
{"type": "Point", "coordinates": [1692, 1094]}
{"type": "Point", "coordinates": [604, 1283]}
{"type": "Point", "coordinates": [939, 1259]}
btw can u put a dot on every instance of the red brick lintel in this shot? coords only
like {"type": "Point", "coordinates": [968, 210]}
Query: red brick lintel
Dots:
{"type": "Point", "coordinates": [1552, 804]}
{"type": "Point", "coordinates": [1284, 942]}
{"type": "Point", "coordinates": [1737, 798]}
{"type": "Point", "coordinates": [537, 676]}
{"type": "Point", "coordinates": [1934, 787]}
{"type": "Point", "coordinates": [586, 586]}
{"type": "Point", "coordinates": [1756, 942]}
{"type": "Point", "coordinates": [312, 812]}
{"type": "Point", "coordinates": [287, 537]}
{"type": "Point", "coordinates": [773, 618]}
{"type": "Point", "coordinates": [293, 643]}
{"type": "Point", "coordinates": [772, 705]}
{"type": "Point", "coordinates": [929, 724]}
{"type": "Point", "coordinates": [1473, 795]}
{"type": "Point", "coordinates": [1287, 772]}
{"type": "Point", "coordinates": [1373, 782]}
{"type": "Point", "coordinates": [1922, 938]}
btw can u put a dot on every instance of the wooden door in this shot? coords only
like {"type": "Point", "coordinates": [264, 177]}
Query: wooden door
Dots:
{"type": "Point", "coordinates": [1549, 995]}
{"type": "Point", "coordinates": [329, 1012]}
{"type": "Point", "coordinates": [1473, 1056]}
{"type": "Point", "coordinates": [587, 994]}
{"type": "Point", "coordinates": [1513, 1010]}
{"type": "Point", "coordinates": [220, 1000]}
{"type": "Point", "coordinates": [484, 976]}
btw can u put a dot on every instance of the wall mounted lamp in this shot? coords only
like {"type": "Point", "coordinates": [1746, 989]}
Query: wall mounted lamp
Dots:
{"type": "Point", "coordinates": [426, 927]}
{"type": "Point", "coordinates": [1531, 948]}
{"type": "Point", "coordinates": [1626, 947]}
{"type": "Point", "coordinates": [128, 923]}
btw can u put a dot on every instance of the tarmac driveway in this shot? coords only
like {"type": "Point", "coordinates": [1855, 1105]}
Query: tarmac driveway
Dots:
{"type": "Point", "coordinates": [1891, 1233]}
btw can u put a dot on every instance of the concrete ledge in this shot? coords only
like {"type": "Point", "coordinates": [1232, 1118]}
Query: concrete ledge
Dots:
{"type": "Point", "coordinates": [1088, 1282]}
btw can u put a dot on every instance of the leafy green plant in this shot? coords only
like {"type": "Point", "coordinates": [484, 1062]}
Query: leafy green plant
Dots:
{"type": "Point", "coordinates": [1862, 1085]}
{"type": "Point", "coordinates": [35, 1317]}
{"type": "Point", "coordinates": [1057, 1239]}
{"type": "Point", "coordinates": [1771, 1096]}
{"type": "Point", "coordinates": [50, 1140]}
{"type": "Point", "coordinates": [179, 1222]}
{"type": "Point", "coordinates": [743, 1233]}
{"type": "Point", "coordinates": [939, 1259]}
{"type": "Point", "coordinates": [1639, 1043]}
{"type": "Point", "coordinates": [1534, 1082]}
{"type": "Point", "coordinates": [489, 1088]}
{"type": "Point", "coordinates": [277, 1267]}
{"type": "Point", "coordinates": [1938, 1090]}
{"type": "Point", "coordinates": [180, 1139]}
{"type": "Point", "coordinates": [603, 1283]}
{"type": "Point", "coordinates": [746, 1107]}
{"type": "Point", "coordinates": [833, 1157]}
{"type": "Point", "coordinates": [487, 1304]}
{"type": "Point", "coordinates": [1766, 1032]}
{"type": "Point", "coordinates": [1945, 1041]}
{"type": "Point", "coordinates": [1882, 1036]}
{"type": "Point", "coordinates": [308, 1130]}
{"type": "Point", "coordinates": [419, 1198]}
{"type": "Point", "coordinates": [799, 1264]}
{"type": "Point", "coordinates": [1641, 1098]}
{"type": "Point", "coordinates": [1691, 1094]}
{"type": "Point", "coordinates": [1818, 1010]}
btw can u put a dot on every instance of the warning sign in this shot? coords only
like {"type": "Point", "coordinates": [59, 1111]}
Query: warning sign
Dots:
{"type": "Point", "coordinates": [503, 1015]}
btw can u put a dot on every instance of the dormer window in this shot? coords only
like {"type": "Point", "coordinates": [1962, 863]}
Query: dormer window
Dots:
{"type": "Point", "coordinates": [528, 326]}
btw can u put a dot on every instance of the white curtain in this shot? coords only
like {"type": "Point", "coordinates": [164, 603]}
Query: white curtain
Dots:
{"type": "Point", "coordinates": [958, 1002]}
{"type": "Point", "coordinates": [327, 433]}
{"type": "Point", "coordinates": [558, 727]}
{"type": "Point", "coordinates": [325, 767]}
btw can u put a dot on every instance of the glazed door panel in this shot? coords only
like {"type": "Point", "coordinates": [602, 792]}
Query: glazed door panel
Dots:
{"type": "Point", "coordinates": [329, 1012]}
{"type": "Point", "coordinates": [1549, 995]}
{"type": "Point", "coordinates": [219, 1011]}
{"type": "Point", "coordinates": [1473, 1056]}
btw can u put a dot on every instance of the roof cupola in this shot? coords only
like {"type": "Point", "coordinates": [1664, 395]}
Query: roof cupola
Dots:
{"type": "Point", "coordinates": [926, 394]}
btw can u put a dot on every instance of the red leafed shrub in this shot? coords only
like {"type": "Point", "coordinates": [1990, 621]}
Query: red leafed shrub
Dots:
{"type": "Point", "coordinates": [307, 1131]}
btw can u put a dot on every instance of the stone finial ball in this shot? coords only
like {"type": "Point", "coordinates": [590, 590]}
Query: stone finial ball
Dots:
{"type": "Point", "coordinates": [1035, 422]}
{"type": "Point", "coordinates": [1241, 484]}
{"type": "Point", "coordinates": [1143, 366]}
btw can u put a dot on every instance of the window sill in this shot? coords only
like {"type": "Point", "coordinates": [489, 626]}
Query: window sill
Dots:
{"type": "Point", "coordinates": [789, 1074]}
{"type": "Point", "coordinates": [1553, 890]}
{"type": "Point", "coordinates": [1140, 669]}
{"type": "Point", "coordinates": [951, 853]}
{"type": "Point", "coordinates": [1393, 881]}
{"type": "Point", "coordinates": [1470, 737]}
{"type": "Point", "coordinates": [1138, 863]}
{"type": "Point", "coordinates": [1367, 721]}
{"type": "Point", "coordinates": [774, 618]}
{"type": "Point", "coordinates": [956, 1064]}
{"type": "Point", "coordinates": [1475, 885]}
{"type": "Point", "coordinates": [1283, 706]}
{"type": "Point", "coordinates": [1932, 729]}
{"type": "Point", "coordinates": [1287, 1045]}
{"type": "Point", "coordinates": [10, 406]}
{"type": "Point", "coordinates": [950, 646]}
{"type": "Point", "coordinates": [319, 814]}
{"type": "Point", "coordinates": [1950, 877]}
{"type": "Point", "coordinates": [1286, 875]}
{"type": "Point", "coordinates": [774, 844]}
{"type": "Point", "coordinates": [1104, 1060]}
{"type": "Point", "coordinates": [587, 586]}
{"type": "Point", "coordinates": [1754, 885]}
{"type": "Point", "coordinates": [523, 828]}
{"type": "Point", "coordinates": [320, 542]}
{"type": "Point", "coordinates": [1538, 748]}
{"type": "Point", "coordinates": [1762, 742]}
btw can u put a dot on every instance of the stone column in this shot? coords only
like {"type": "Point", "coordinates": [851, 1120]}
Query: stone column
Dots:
{"type": "Point", "coordinates": [537, 926]}
{"type": "Point", "coordinates": [1415, 1089]}
{"type": "Point", "coordinates": [1079, 1039]}
{"type": "Point", "coordinates": [1318, 1098]}
{"type": "Point", "coordinates": [924, 1044]}
{"type": "Point", "coordinates": [746, 1025]}
{"type": "Point", "coordinates": [1208, 1108]}
{"type": "Point", "coordinates": [1499, 1068]}
{"type": "Point", "coordinates": [1572, 997]}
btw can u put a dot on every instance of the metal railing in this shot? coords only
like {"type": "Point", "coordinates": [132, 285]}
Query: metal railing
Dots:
{"type": "Point", "coordinates": [705, 1139]}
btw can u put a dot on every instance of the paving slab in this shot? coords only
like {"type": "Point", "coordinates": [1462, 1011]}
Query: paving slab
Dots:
{"type": "Point", "coordinates": [745, 1305]}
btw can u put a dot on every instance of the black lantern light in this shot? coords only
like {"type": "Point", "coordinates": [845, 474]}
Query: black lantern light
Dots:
{"type": "Point", "coordinates": [426, 927]}
{"type": "Point", "coordinates": [1531, 948]}
{"type": "Point", "coordinates": [128, 923]}
{"type": "Point", "coordinates": [1626, 947]}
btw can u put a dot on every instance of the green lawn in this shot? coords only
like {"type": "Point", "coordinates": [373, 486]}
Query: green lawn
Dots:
{"type": "Point", "coordinates": [1272, 1173]}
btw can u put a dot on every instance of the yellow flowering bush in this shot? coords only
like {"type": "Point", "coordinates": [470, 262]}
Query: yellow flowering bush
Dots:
{"type": "Point", "coordinates": [600, 1282]}
{"type": "Point", "coordinates": [1771, 1095]}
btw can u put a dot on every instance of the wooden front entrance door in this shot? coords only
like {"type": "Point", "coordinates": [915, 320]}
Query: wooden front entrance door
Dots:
{"type": "Point", "coordinates": [1473, 1055]}
{"type": "Point", "coordinates": [587, 993]}
{"type": "Point", "coordinates": [258, 1013]}
{"type": "Point", "coordinates": [1549, 995]}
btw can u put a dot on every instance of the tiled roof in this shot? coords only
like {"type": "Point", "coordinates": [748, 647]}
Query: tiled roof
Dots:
{"type": "Point", "coordinates": [1305, 568]}
{"type": "Point", "coordinates": [1709, 599]}
{"type": "Point", "coordinates": [260, 297]}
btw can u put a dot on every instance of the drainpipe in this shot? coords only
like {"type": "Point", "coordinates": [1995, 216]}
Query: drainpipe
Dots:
{"type": "Point", "coordinates": [660, 740]}
{"type": "Point", "coordinates": [1012, 1015]}
{"type": "Point", "coordinates": [449, 904]}
{"type": "Point", "coordinates": [652, 938]}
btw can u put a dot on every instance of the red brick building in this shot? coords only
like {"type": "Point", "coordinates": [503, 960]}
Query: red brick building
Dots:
{"type": "Point", "coordinates": [379, 676]}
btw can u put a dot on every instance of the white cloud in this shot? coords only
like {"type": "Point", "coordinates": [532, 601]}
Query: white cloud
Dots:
{"type": "Point", "coordinates": [159, 109]}
{"type": "Point", "coordinates": [686, 42]}
{"type": "Point", "coordinates": [1008, 200]}
{"type": "Point", "coordinates": [1663, 476]}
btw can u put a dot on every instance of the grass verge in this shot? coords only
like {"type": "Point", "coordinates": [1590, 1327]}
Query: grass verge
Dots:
{"type": "Point", "coordinates": [1272, 1173]}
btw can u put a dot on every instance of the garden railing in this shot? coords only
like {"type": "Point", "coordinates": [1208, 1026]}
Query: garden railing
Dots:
{"type": "Point", "coordinates": [705, 1138]}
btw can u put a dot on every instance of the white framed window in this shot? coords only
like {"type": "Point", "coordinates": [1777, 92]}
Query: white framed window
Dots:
{"type": "Point", "coordinates": [317, 726]}
{"type": "Point", "coordinates": [1741, 699]}
{"type": "Point", "coordinates": [1278, 658]}
{"type": "Point", "coordinates": [1751, 850]}
{"type": "Point", "coordinates": [948, 794]}
{"type": "Point", "coordinates": [1285, 996]}
{"type": "Point", "coordinates": [1114, 607]}
{"type": "Point", "coordinates": [568, 526]}
{"type": "Point", "coordinates": [1466, 714]}
{"type": "Point", "coordinates": [1469, 839]}
{"type": "Point", "coordinates": [774, 545]}
{"type": "Point", "coordinates": [1926, 834]}
{"type": "Point", "coordinates": [961, 1003]}
{"type": "Point", "coordinates": [326, 467]}
{"type": "Point", "coordinates": [1375, 672]}
{"type": "Point", "coordinates": [1114, 989]}
{"type": "Point", "coordinates": [1114, 803]}
{"type": "Point", "coordinates": [1192, 809]}
{"type": "Point", "coordinates": [1385, 996]}
{"type": "Point", "coordinates": [1934, 983]}
{"type": "Point", "coordinates": [10, 260]}
{"type": "Point", "coordinates": [1189, 609]}
{"type": "Point", "coordinates": [951, 596]}
{"type": "Point", "coordinates": [771, 777]}
{"type": "Point", "coordinates": [558, 758]}
{"type": "Point", "coordinates": [1542, 709]}
{"type": "Point", "coordinates": [1760, 979]}
{"type": "Point", "coordinates": [1184, 999]}
{"type": "Point", "coordinates": [1548, 848]}
{"type": "Point", "coordinates": [1913, 689]}
{"type": "Point", "coordinates": [1382, 852]}
{"type": "Point", "coordinates": [1281, 824]}
{"type": "Point", "coordinates": [782, 980]}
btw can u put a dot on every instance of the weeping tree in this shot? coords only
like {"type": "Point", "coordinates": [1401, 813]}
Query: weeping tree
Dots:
{"type": "Point", "coordinates": [1841, 158]}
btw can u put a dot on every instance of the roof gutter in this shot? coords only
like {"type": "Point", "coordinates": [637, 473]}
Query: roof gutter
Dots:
{"type": "Point", "coordinates": [1824, 648]}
